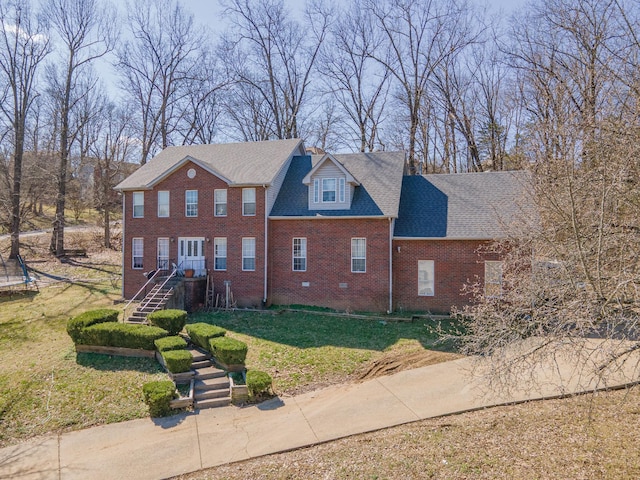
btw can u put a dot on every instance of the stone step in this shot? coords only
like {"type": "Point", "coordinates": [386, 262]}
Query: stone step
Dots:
{"type": "Point", "coordinates": [199, 355]}
{"type": "Point", "coordinates": [208, 373]}
{"type": "Point", "coordinates": [217, 383]}
{"type": "Point", "coordinates": [201, 364]}
{"type": "Point", "coordinates": [136, 320]}
{"type": "Point", "coordinates": [212, 403]}
{"type": "Point", "coordinates": [209, 394]}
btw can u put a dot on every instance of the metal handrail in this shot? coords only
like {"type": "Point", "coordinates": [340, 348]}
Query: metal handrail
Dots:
{"type": "Point", "coordinates": [171, 275]}
{"type": "Point", "coordinates": [6, 274]}
{"type": "Point", "coordinates": [25, 272]}
{"type": "Point", "coordinates": [141, 289]}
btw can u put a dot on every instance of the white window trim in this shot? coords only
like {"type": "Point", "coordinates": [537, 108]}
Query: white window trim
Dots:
{"type": "Point", "coordinates": [215, 253]}
{"type": "Point", "coordinates": [216, 203]}
{"type": "Point", "coordinates": [163, 240]}
{"type": "Point", "coordinates": [354, 257]}
{"type": "Point", "coordinates": [133, 253]}
{"type": "Point", "coordinates": [168, 204]}
{"type": "Point", "coordinates": [316, 190]}
{"type": "Point", "coordinates": [334, 190]}
{"type": "Point", "coordinates": [496, 263]}
{"type": "Point", "coordinates": [341, 190]}
{"type": "Point", "coordinates": [245, 202]}
{"type": "Point", "coordinates": [186, 204]}
{"type": "Point", "coordinates": [303, 251]}
{"type": "Point", "coordinates": [139, 195]}
{"type": "Point", "coordinates": [253, 240]}
{"type": "Point", "coordinates": [430, 264]}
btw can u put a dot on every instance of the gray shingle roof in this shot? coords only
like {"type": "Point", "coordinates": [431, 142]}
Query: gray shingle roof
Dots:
{"type": "Point", "coordinates": [245, 163]}
{"type": "Point", "coordinates": [463, 205]}
{"type": "Point", "coordinates": [379, 174]}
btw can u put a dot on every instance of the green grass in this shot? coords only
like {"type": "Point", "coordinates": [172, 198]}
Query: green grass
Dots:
{"type": "Point", "coordinates": [44, 386]}
{"type": "Point", "coordinates": [300, 350]}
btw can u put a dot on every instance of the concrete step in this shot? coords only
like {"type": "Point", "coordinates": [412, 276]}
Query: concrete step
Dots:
{"type": "Point", "coordinates": [209, 394]}
{"type": "Point", "coordinates": [206, 384]}
{"type": "Point", "coordinates": [208, 373]}
{"type": "Point", "coordinates": [199, 355]}
{"type": "Point", "coordinates": [200, 364]}
{"type": "Point", "coordinates": [212, 403]}
{"type": "Point", "coordinates": [136, 320]}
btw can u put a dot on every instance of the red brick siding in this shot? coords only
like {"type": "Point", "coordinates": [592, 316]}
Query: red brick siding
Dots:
{"type": "Point", "coordinates": [456, 262]}
{"type": "Point", "coordinates": [247, 287]}
{"type": "Point", "coordinates": [329, 264]}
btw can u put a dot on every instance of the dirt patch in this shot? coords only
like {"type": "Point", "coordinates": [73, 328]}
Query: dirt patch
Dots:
{"type": "Point", "coordinates": [395, 362]}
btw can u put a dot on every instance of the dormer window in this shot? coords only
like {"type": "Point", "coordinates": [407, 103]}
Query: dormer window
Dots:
{"type": "Point", "coordinates": [331, 186]}
{"type": "Point", "coordinates": [328, 190]}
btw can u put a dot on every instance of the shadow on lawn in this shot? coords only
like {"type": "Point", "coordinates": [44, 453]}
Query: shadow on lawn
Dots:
{"type": "Point", "coordinates": [116, 363]}
{"type": "Point", "coordinates": [312, 330]}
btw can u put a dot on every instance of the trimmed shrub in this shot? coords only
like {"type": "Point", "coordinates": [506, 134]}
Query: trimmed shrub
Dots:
{"type": "Point", "coordinates": [173, 321]}
{"type": "Point", "coordinates": [259, 384]}
{"type": "Point", "coordinates": [77, 324]}
{"type": "Point", "coordinates": [177, 361]}
{"type": "Point", "coordinates": [174, 342]}
{"type": "Point", "coordinates": [228, 350]}
{"type": "Point", "coordinates": [158, 396]}
{"type": "Point", "coordinates": [201, 333]}
{"type": "Point", "coordinates": [123, 335]}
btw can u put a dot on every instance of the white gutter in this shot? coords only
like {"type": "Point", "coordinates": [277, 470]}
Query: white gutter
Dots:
{"type": "Point", "coordinates": [266, 242]}
{"type": "Point", "coordinates": [123, 239]}
{"type": "Point", "coordinates": [336, 217]}
{"type": "Point", "coordinates": [445, 238]}
{"type": "Point", "coordinates": [392, 223]}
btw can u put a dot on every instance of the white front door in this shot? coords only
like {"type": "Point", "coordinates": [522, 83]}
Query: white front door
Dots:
{"type": "Point", "coordinates": [191, 255]}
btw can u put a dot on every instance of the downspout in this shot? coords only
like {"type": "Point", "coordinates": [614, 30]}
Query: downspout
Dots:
{"type": "Point", "coordinates": [391, 225]}
{"type": "Point", "coordinates": [124, 196]}
{"type": "Point", "coordinates": [266, 244]}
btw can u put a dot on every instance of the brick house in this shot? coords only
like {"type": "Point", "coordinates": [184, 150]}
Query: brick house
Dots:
{"type": "Point", "coordinates": [347, 231]}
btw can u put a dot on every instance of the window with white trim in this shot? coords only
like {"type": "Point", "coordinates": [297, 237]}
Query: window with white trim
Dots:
{"type": "Point", "coordinates": [426, 278]}
{"type": "Point", "coordinates": [248, 254]}
{"type": "Point", "coordinates": [163, 254]}
{"type": "Point", "coordinates": [358, 255]}
{"type": "Point", "coordinates": [220, 253]}
{"type": "Point", "coordinates": [163, 203]}
{"type": "Point", "coordinates": [299, 254]}
{"type": "Point", "coordinates": [328, 190]}
{"type": "Point", "coordinates": [137, 253]}
{"type": "Point", "coordinates": [248, 201]}
{"type": "Point", "coordinates": [191, 203]}
{"type": "Point", "coordinates": [492, 278]}
{"type": "Point", "coordinates": [138, 204]}
{"type": "Point", "coordinates": [341, 189]}
{"type": "Point", "coordinates": [316, 190]}
{"type": "Point", "coordinates": [220, 202]}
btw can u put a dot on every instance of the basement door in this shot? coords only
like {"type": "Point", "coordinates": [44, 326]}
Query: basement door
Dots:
{"type": "Point", "coordinates": [191, 255]}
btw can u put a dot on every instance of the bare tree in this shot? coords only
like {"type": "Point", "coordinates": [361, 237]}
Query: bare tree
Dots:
{"type": "Point", "coordinates": [158, 68]}
{"type": "Point", "coordinates": [358, 84]}
{"type": "Point", "coordinates": [86, 31]}
{"type": "Point", "coordinates": [23, 46]}
{"type": "Point", "coordinates": [273, 56]}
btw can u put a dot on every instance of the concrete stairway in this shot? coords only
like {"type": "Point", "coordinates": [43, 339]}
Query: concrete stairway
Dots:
{"type": "Point", "coordinates": [211, 385]}
{"type": "Point", "coordinates": [155, 300]}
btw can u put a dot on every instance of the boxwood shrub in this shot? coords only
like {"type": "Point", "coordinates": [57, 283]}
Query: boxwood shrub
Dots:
{"type": "Point", "coordinates": [123, 335]}
{"type": "Point", "coordinates": [174, 342]}
{"type": "Point", "coordinates": [259, 384]}
{"type": "Point", "coordinates": [77, 324]}
{"type": "Point", "coordinates": [177, 361]}
{"type": "Point", "coordinates": [158, 396]}
{"type": "Point", "coordinates": [201, 333]}
{"type": "Point", "coordinates": [173, 321]}
{"type": "Point", "coordinates": [228, 350]}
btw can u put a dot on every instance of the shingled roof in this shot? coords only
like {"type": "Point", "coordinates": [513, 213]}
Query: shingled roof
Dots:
{"type": "Point", "coordinates": [247, 163]}
{"type": "Point", "coordinates": [379, 175]}
{"type": "Point", "coordinates": [461, 206]}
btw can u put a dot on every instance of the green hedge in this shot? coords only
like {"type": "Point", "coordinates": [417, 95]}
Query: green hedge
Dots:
{"type": "Point", "coordinates": [173, 321]}
{"type": "Point", "coordinates": [76, 325]}
{"type": "Point", "coordinates": [177, 361]}
{"type": "Point", "coordinates": [174, 342]}
{"type": "Point", "coordinates": [158, 396]}
{"type": "Point", "coordinates": [259, 384]}
{"type": "Point", "coordinates": [123, 335]}
{"type": "Point", "coordinates": [201, 333]}
{"type": "Point", "coordinates": [228, 350]}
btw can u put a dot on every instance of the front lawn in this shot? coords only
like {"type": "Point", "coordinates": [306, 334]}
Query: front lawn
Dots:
{"type": "Point", "coordinates": [304, 351]}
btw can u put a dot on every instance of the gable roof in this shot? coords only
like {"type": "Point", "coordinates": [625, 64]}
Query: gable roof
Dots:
{"type": "Point", "coordinates": [462, 205]}
{"type": "Point", "coordinates": [247, 163]}
{"type": "Point", "coordinates": [329, 158]}
{"type": "Point", "coordinates": [378, 194]}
